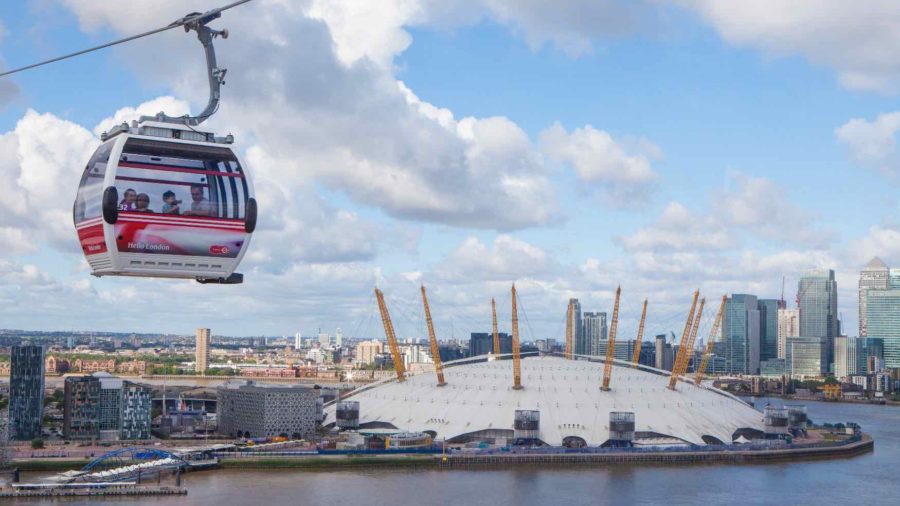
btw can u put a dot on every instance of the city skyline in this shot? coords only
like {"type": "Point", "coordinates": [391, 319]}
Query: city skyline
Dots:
{"type": "Point", "coordinates": [544, 130]}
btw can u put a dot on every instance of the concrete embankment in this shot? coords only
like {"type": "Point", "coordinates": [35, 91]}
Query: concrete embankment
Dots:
{"type": "Point", "coordinates": [866, 444]}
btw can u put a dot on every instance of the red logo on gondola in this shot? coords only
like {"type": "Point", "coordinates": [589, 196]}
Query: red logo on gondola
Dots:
{"type": "Point", "coordinates": [218, 250]}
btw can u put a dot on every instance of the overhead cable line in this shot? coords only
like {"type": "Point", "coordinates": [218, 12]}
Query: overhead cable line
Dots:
{"type": "Point", "coordinates": [187, 20]}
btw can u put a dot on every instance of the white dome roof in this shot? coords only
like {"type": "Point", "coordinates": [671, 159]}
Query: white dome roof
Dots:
{"type": "Point", "coordinates": [479, 396]}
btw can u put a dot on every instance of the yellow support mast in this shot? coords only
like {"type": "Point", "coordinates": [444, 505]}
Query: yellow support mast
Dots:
{"type": "Point", "coordinates": [496, 331]}
{"type": "Point", "coordinates": [686, 350]}
{"type": "Point", "coordinates": [611, 343]}
{"type": "Point", "coordinates": [569, 312]}
{"type": "Point", "coordinates": [698, 375]}
{"type": "Point", "coordinates": [684, 337]}
{"type": "Point", "coordinates": [636, 357]}
{"type": "Point", "coordinates": [517, 358]}
{"type": "Point", "coordinates": [435, 349]}
{"type": "Point", "coordinates": [391, 337]}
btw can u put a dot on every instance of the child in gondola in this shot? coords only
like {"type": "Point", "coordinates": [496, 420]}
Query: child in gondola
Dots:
{"type": "Point", "coordinates": [171, 205]}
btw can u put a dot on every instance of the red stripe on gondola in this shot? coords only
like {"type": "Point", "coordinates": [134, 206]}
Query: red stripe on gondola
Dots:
{"type": "Point", "coordinates": [92, 240]}
{"type": "Point", "coordinates": [179, 217]}
{"type": "Point", "coordinates": [188, 224]}
{"type": "Point", "coordinates": [172, 168]}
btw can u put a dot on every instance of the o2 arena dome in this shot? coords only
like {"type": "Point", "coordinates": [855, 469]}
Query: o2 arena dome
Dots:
{"type": "Point", "coordinates": [560, 403]}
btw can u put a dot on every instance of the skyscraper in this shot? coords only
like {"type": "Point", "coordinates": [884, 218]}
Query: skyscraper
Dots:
{"type": "Point", "coordinates": [817, 291]}
{"type": "Point", "coordinates": [298, 341]}
{"type": "Point", "coordinates": [338, 337]}
{"type": "Point", "coordinates": [26, 392]}
{"type": "Point", "coordinates": [581, 346]}
{"type": "Point", "coordinates": [768, 328]}
{"type": "Point", "coordinates": [875, 276]}
{"type": "Point", "coordinates": [595, 331]}
{"type": "Point", "coordinates": [806, 356]}
{"type": "Point", "coordinates": [740, 332]}
{"type": "Point", "coordinates": [202, 351]}
{"type": "Point", "coordinates": [841, 357]}
{"type": "Point", "coordinates": [883, 320]}
{"type": "Point", "coordinates": [482, 343]}
{"type": "Point", "coordinates": [788, 326]}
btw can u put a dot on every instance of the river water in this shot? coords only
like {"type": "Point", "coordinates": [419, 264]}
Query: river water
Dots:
{"type": "Point", "coordinates": [868, 479]}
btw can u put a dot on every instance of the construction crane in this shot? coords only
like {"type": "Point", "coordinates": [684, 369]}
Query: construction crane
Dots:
{"type": "Point", "coordinates": [569, 312]}
{"type": "Point", "coordinates": [496, 332]}
{"type": "Point", "coordinates": [686, 350]}
{"type": "Point", "coordinates": [391, 337]}
{"type": "Point", "coordinates": [611, 343]}
{"type": "Point", "coordinates": [435, 349]}
{"type": "Point", "coordinates": [517, 358]}
{"type": "Point", "coordinates": [636, 357]}
{"type": "Point", "coordinates": [698, 374]}
{"type": "Point", "coordinates": [685, 336]}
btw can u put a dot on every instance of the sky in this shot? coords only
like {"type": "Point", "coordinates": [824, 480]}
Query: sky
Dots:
{"type": "Point", "coordinates": [662, 146]}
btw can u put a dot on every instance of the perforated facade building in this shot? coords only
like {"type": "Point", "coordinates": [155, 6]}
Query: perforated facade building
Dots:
{"type": "Point", "coordinates": [252, 410]}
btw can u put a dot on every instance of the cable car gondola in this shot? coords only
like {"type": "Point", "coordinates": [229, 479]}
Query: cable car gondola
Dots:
{"type": "Point", "coordinates": [160, 198]}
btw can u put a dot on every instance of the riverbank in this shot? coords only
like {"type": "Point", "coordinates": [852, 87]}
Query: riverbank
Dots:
{"type": "Point", "coordinates": [319, 463]}
{"type": "Point", "coordinates": [117, 491]}
{"type": "Point", "coordinates": [726, 456]}
{"type": "Point", "coordinates": [851, 449]}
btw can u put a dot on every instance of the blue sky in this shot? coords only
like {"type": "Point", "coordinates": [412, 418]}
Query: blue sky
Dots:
{"type": "Point", "coordinates": [711, 146]}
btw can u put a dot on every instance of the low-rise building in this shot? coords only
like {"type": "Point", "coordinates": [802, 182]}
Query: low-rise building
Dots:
{"type": "Point", "coordinates": [132, 367]}
{"type": "Point", "coordinates": [56, 365]}
{"type": "Point", "coordinates": [92, 366]}
{"type": "Point", "coordinates": [251, 410]}
{"type": "Point", "coordinates": [268, 372]}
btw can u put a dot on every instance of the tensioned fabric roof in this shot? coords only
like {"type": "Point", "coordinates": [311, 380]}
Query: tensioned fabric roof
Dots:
{"type": "Point", "coordinates": [479, 396]}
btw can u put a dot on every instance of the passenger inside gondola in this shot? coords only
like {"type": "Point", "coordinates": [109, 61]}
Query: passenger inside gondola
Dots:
{"type": "Point", "coordinates": [200, 205]}
{"type": "Point", "coordinates": [128, 200]}
{"type": "Point", "coordinates": [171, 204]}
{"type": "Point", "coordinates": [143, 203]}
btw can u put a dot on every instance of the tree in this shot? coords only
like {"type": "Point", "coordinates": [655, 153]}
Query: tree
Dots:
{"type": "Point", "coordinates": [831, 380]}
{"type": "Point", "coordinates": [37, 443]}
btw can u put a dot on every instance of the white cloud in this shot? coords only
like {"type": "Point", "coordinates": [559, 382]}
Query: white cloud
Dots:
{"type": "Point", "coordinates": [348, 124]}
{"type": "Point", "coordinates": [600, 160]}
{"type": "Point", "coordinates": [679, 229]}
{"type": "Point", "coordinates": [882, 241]}
{"type": "Point", "coordinates": [873, 143]}
{"type": "Point", "coordinates": [166, 104]}
{"type": "Point", "coordinates": [40, 166]}
{"type": "Point", "coordinates": [570, 26]}
{"type": "Point", "coordinates": [507, 259]}
{"type": "Point", "coordinates": [763, 207]}
{"type": "Point", "coordinates": [858, 40]}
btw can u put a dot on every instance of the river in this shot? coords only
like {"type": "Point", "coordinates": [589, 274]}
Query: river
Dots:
{"type": "Point", "coordinates": [868, 479]}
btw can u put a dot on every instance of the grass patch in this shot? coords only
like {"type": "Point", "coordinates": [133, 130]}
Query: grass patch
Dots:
{"type": "Point", "coordinates": [48, 465]}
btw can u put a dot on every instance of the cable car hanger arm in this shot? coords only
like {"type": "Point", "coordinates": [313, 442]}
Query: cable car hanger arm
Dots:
{"type": "Point", "coordinates": [216, 76]}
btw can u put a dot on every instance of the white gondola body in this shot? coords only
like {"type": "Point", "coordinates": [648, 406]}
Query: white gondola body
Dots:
{"type": "Point", "coordinates": [201, 239]}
